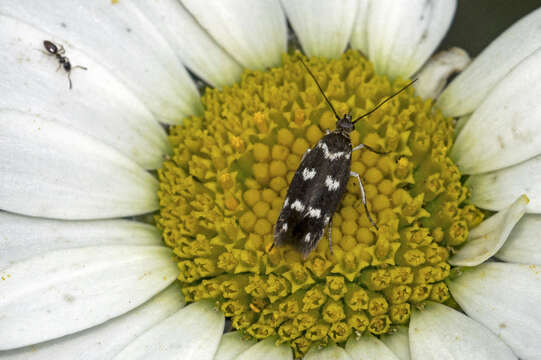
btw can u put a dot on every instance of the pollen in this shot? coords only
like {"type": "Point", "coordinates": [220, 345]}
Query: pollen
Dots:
{"type": "Point", "coordinates": [222, 190]}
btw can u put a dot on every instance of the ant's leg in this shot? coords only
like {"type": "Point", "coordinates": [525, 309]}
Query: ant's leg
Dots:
{"type": "Point", "coordinates": [75, 67]}
{"type": "Point", "coordinates": [69, 78]}
{"type": "Point", "coordinates": [60, 50]}
{"type": "Point", "coordinates": [363, 197]}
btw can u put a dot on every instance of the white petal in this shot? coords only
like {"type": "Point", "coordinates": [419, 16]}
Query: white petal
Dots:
{"type": "Point", "coordinates": [323, 27]}
{"type": "Point", "coordinates": [433, 77]}
{"type": "Point", "coordinates": [192, 333]}
{"type": "Point", "coordinates": [64, 291]}
{"type": "Point", "coordinates": [512, 110]}
{"type": "Point", "coordinates": [267, 350]}
{"type": "Point", "coordinates": [51, 171]}
{"type": "Point", "coordinates": [523, 245]}
{"type": "Point", "coordinates": [403, 34]}
{"type": "Point", "coordinates": [368, 347]}
{"type": "Point", "coordinates": [398, 342]}
{"type": "Point", "coordinates": [469, 89]}
{"type": "Point", "coordinates": [359, 35]}
{"type": "Point", "coordinates": [98, 105]}
{"type": "Point", "coordinates": [497, 189]}
{"type": "Point", "coordinates": [439, 332]}
{"type": "Point", "coordinates": [231, 345]}
{"type": "Point", "coordinates": [487, 238]}
{"type": "Point", "coordinates": [331, 352]}
{"type": "Point", "coordinates": [460, 123]}
{"type": "Point", "coordinates": [23, 237]}
{"type": "Point", "coordinates": [106, 340]}
{"type": "Point", "coordinates": [253, 32]}
{"type": "Point", "coordinates": [114, 34]}
{"type": "Point", "coordinates": [193, 45]}
{"type": "Point", "coordinates": [505, 298]}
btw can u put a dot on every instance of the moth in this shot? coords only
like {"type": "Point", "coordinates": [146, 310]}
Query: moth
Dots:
{"type": "Point", "coordinates": [320, 183]}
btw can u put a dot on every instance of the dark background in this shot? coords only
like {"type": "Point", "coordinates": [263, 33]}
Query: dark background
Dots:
{"type": "Point", "coordinates": [478, 22]}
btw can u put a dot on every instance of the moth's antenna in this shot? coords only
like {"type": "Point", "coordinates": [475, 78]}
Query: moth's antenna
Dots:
{"type": "Point", "coordinates": [384, 101]}
{"type": "Point", "coordinates": [320, 89]}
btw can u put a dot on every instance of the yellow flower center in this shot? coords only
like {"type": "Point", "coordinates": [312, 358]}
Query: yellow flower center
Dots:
{"type": "Point", "coordinates": [223, 189]}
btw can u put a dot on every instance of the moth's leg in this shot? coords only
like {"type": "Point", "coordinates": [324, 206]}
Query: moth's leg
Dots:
{"type": "Point", "coordinates": [363, 197]}
{"type": "Point", "coordinates": [360, 146]}
{"type": "Point", "coordinates": [305, 153]}
{"type": "Point", "coordinates": [330, 242]}
{"type": "Point", "coordinates": [274, 243]}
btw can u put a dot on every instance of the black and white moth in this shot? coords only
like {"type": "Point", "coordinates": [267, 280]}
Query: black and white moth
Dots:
{"type": "Point", "coordinates": [319, 184]}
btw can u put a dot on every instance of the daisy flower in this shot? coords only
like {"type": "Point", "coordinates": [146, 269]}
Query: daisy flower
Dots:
{"type": "Point", "coordinates": [137, 214]}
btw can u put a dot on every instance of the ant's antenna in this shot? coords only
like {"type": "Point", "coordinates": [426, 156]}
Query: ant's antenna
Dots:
{"type": "Point", "coordinates": [320, 89]}
{"type": "Point", "coordinates": [384, 101]}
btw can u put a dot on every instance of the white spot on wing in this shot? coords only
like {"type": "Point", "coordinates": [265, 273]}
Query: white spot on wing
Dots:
{"type": "Point", "coordinates": [286, 202]}
{"type": "Point", "coordinates": [284, 227]}
{"type": "Point", "coordinates": [327, 219]}
{"type": "Point", "coordinates": [329, 155]}
{"type": "Point", "coordinates": [331, 184]}
{"type": "Point", "coordinates": [307, 238]}
{"type": "Point", "coordinates": [315, 213]}
{"type": "Point", "coordinates": [308, 174]}
{"type": "Point", "coordinates": [297, 205]}
{"type": "Point", "coordinates": [336, 155]}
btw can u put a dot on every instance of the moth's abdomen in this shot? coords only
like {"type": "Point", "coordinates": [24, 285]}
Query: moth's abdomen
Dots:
{"type": "Point", "coordinates": [314, 193]}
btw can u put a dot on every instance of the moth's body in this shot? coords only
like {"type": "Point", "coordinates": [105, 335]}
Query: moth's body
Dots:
{"type": "Point", "coordinates": [315, 191]}
{"type": "Point", "coordinates": [319, 184]}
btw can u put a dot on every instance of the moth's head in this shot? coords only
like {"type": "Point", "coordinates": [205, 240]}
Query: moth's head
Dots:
{"type": "Point", "coordinates": [345, 124]}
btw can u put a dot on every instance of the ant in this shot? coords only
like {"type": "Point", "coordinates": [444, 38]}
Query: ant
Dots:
{"type": "Point", "coordinates": [58, 51]}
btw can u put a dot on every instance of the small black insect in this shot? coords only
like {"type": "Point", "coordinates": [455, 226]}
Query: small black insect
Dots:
{"type": "Point", "coordinates": [320, 182]}
{"type": "Point", "coordinates": [58, 51]}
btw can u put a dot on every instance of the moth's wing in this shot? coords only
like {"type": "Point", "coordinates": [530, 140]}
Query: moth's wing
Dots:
{"type": "Point", "coordinates": [328, 188]}
{"type": "Point", "coordinates": [330, 183]}
{"type": "Point", "coordinates": [294, 228]}
{"type": "Point", "coordinates": [310, 201]}
{"type": "Point", "coordinates": [288, 226]}
{"type": "Point", "coordinates": [286, 230]}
